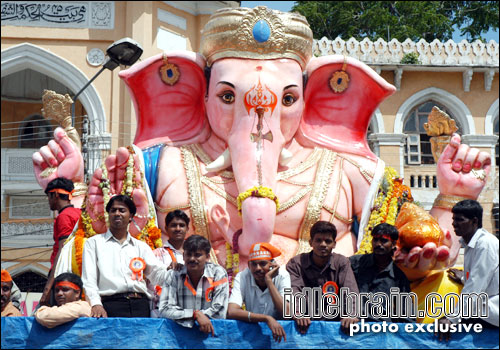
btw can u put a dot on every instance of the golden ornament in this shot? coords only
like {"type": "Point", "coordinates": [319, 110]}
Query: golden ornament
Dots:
{"type": "Point", "coordinates": [169, 72]}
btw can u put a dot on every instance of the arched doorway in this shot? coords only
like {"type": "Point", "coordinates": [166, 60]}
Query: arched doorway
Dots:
{"type": "Point", "coordinates": [29, 56]}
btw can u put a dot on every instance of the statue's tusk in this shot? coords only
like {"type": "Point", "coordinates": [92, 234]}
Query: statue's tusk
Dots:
{"type": "Point", "coordinates": [221, 163]}
{"type": "Point", "coordinates": [224, 160]}
{"type": "Point", "coordinates": [285, 157]}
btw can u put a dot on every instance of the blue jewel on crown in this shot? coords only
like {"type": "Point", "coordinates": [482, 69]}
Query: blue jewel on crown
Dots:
{"type": "Point", "coordinates": [261, 31]}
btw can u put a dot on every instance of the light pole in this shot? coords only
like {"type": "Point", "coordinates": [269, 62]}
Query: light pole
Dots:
{"type": "Point", "coordinates": [122, 52]}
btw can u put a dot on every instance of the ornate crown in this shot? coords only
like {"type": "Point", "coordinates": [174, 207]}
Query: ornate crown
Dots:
{"type": "Point", "coordinates": [258, 33]}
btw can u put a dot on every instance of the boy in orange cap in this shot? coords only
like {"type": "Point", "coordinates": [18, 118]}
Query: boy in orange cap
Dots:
{"type": "Point", "coordinates": [8, 309]}
{"type": "Point", "coordinates": [261, 287]}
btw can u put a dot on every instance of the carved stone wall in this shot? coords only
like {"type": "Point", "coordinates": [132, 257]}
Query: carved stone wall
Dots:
{"type": "Point", "coordinates": [29, 207]}
{"type": "Point", "coordinates": [26, 229]}
{"type": "Point", "coordinates": [465, 53]}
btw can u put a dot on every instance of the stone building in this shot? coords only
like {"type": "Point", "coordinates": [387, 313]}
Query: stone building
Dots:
{"type": "Point", "coordinates": [61, 45]}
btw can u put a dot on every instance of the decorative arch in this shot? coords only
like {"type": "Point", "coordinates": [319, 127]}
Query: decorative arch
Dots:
{"type": "Point", "coordinates": [453, 103]}
{"type": "Point", "coordinates": [22, 267]}
{"type": "Point", "coordinates": [29, 56]}
{"type": "Point", "coordinates": [377, 122]}
{"type": "Point", "coordinates": [490, 119]}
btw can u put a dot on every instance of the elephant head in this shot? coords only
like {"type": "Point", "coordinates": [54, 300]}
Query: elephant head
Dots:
{"type": "Point", "coordinates": [264, 94]}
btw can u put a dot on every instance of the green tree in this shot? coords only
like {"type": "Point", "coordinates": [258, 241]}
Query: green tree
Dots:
{"type": "Point", "coordinates": [399, 19]}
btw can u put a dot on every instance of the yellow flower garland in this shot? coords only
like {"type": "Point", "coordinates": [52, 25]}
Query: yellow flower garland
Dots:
{"type": "Point", "coordinates": [236, 264]}
{"type": "Point", "coordinates": [229, 257]}
{"type": "Point", "coordinates": [257, 191]}
{"type": "Point", "coordinates": [105, 187]}
{"type": "Point", "coordinates": [232, 264]}
{"type": "Point", "coordinates": [87, 224]}
{"type": "Point", "coordinates": [390, 196]}
{"type": "Point", "coordinates": [129, 173]}
{"type": "Point", "coordinates": [150, 233]}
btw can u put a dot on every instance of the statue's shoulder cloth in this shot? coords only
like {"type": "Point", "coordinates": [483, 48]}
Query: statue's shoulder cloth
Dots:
{"type": "Point", "coordinates": [151, 157]}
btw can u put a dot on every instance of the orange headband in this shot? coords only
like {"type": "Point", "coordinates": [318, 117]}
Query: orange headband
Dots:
{"type": "Point", "coordinates": [68, 284]}
{"type": "Point", "coordinates": [386, 237]}
{"type": "Point", "coordinates": [61, 191]}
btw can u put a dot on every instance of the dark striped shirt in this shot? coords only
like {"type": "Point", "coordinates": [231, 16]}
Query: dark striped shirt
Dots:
{"type": "Point", "coordinates": [179, 298]}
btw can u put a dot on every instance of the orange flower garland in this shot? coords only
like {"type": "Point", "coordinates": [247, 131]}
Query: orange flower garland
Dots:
{"type": "Point", "coordinates": [151, 235]}
{"type": "Point", "coordinates": [155, 235]}
{"type": "Point", "coordinates": [84, 231]}
{"type": "Point", "coordinates": [79, 242]}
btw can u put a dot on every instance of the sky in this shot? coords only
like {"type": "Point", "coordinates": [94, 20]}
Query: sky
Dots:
{"type": "Point", "coordinates": [286, 6]}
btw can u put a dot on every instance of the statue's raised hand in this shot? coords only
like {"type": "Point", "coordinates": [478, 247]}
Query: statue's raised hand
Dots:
{"type": "Point", "coordinates": [462, 170]}
{"type": "Point", "coordinates": [59, 158]}
{"type": "Point", "coordinates": [113, 182]}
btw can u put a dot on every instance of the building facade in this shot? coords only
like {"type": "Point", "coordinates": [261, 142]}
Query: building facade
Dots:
{"type": "Point", "coordinates": [61, 45]}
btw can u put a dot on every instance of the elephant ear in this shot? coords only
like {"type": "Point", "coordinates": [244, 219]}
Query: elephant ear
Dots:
{"type": "Point", "coordinates": [339, 120]}
{"type": "Point", "coordinates": [170, 114]}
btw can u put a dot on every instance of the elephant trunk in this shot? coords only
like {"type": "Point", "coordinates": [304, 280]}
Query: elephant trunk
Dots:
{"type": "Point", "coordinates": [255, 148]}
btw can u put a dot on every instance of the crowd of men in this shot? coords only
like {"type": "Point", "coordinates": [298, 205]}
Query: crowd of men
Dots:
{"type": "Point", "coordinates": [123, 277]}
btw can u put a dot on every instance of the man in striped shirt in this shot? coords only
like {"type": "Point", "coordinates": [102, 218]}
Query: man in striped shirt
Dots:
{"type": "Point", "coordinates": [199, 291]}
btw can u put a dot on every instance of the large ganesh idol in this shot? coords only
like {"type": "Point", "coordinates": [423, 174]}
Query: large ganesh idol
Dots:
{"type": "Point", "coordinates": [257, 140]}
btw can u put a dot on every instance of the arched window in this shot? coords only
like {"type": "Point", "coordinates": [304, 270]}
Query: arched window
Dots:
{"type": "Point", "coordinates": [30, 281]}
{"type": "Point", "coordinates": [371, 144]}
{"type": "Point", "coordinates": [34, 132]}
{"type": "Point", "coordinates": [418, 146]}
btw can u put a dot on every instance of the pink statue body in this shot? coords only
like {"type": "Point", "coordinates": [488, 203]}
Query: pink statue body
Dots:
{"type": "Point", "coordinates": [275, 130]}
{"type": "Point", "coordinates": [232, 109]}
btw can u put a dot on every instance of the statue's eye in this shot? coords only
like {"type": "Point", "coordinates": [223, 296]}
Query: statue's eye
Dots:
{"type": "Point", "coordinates": [289, 100]}
{"type": "Point", "coordinates": [227, 97]}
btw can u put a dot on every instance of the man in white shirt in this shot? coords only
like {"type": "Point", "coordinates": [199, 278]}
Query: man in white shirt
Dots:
{"type": "Point", "coordinates": [115, 266]}
{"type": "Point", "coordinates": [261, 287]}
{"type": "Point", "coordinates": [481, 260]}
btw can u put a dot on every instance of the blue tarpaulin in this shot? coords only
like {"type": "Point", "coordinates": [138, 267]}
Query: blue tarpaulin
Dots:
{"type": "Point", "coordinates": [127, 333]}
